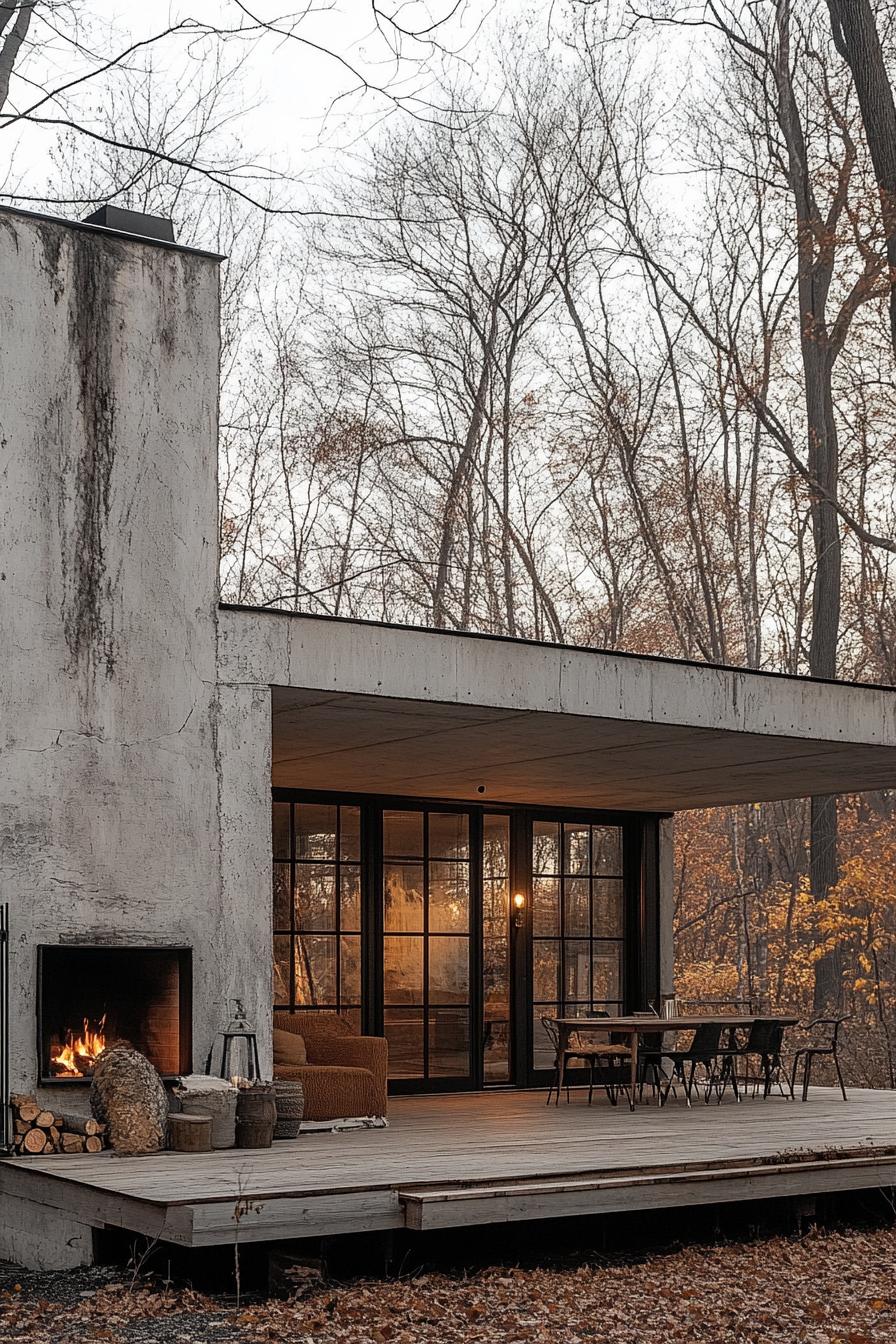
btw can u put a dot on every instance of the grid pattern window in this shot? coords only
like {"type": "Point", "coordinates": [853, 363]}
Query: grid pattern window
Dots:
{"type": "Point", "coordinates": [496, 948]}
{"type": "Point", "coordinates": [578, 925]}
{"type": "Point", "coordinates": [317, 908]}
{"type": "Point", "coordinates": [426, 943]}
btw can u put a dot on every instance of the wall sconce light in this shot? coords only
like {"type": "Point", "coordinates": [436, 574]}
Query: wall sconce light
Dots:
{"type": "Point", "coordinates": [519, 906]}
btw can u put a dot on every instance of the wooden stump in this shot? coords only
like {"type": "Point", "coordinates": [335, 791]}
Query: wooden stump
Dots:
{"type": "Point", "coordinates": [127, 1095]}
{"type": "Point", "coordinates": [190, 1132]}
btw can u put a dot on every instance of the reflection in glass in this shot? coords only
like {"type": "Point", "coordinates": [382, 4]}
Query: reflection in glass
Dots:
{"type": "Point", "coordinates": [545, 969]}
{"type": "Point", "coordinates": [315, 831]}
{"type": "Point", "coordinates": [576, 848]}
{"type": "Point", "coordinates": [545, 847]}
{"type": "Point", "coordinates": [280, 830]}
{"type": "Point", "coordinates": [350, 833]}
{"type": "Point", "coordinates": [282, 959]}
{"type": "Point", "coordinates": [577, 899]}
{"type": "Point", "coordinates": [449, 1042]}
{"type": "Point", "coordinates": [403, 897]}
{"type": "Point", "coordinates": [317, 892]}
{"type": "Point", "coordinates": [606, 898]}
{"type": "Point", "coordinates": [607, 972]}
{"type": "Point", "coordinates": [402, 969]}
{"type": "Point", "coordinates": [403, 835]}
{"type": "Point", "coordinates": [606, 851]}
{"type": "Point", "coordinates": [282, 897]}
{"type": "Point", "coordinates": [449, 835]}
{"type": "Point", "coordinates": [350, 969]}
{"type": "Point", "coordinates": [495, 846]}
{"type": "Point", "coordinates": [315, 896]}
{"type": "Point", "coordinates": [350, 898]}
{"type": "Point", "coordinates": [496, 948]}
{"type": "Point", "coordinates": [449, 970]}
{"type": "Point", "coordinates": [449, 897]}
{"type": "Point", "coordinates": [546, 907]}
{"type": "Point", "coordinates": [576, 902]}
{"type": "Point", "coordinates": [577, 969]}
{"type": "Point", "coordinates": [315, 969]}
{"type": "Point", "coordinates": [403, 1029]}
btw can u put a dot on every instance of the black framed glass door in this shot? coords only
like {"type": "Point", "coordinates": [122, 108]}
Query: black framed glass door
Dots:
{"type": "Point", "coordinates": [427, 945]}
{"type": "Point", "coordinates": [578, 925]}
{"type": "Point", "coordinates": [399, 914]}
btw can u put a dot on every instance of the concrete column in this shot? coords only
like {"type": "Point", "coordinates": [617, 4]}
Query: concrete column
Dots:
{"type": "Point", "coordinates": [241, 961]}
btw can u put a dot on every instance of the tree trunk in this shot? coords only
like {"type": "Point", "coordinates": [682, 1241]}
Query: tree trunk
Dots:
{"type": "Point", "coordinates": [857, 40]}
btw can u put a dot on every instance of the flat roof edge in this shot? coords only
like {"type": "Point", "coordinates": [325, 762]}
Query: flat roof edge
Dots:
{"type": "Point", "coordinates": [82, 226]}
{"type": "Point", "coordinates": [662, 659]}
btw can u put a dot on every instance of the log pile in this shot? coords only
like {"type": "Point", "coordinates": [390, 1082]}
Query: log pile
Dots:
{"type": "Point", "coordinates": [38, 1130]}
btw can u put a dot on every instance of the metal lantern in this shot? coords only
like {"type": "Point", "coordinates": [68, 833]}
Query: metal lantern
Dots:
{"type": "Point", "coordinates": [238, 1029]}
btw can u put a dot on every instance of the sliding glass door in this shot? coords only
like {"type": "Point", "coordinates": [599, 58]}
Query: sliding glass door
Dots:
{"type": "Point", "coordinates": [426, 914]}
{"type": "Point", "coordinates": [578, 925]}
{"type": "Point", "coordinates": [454, 930]}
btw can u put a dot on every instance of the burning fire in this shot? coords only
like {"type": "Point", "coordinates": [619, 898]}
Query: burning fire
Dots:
{"type": "Point", "coordinates": [80, 1053]}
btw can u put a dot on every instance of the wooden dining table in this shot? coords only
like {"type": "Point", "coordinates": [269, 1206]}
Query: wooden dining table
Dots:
{"type": "Point", "coordinates": [633, 1028]}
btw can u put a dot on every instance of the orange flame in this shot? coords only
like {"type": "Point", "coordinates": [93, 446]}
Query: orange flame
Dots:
{"type": "Point", "coordinates": [80, 1053]}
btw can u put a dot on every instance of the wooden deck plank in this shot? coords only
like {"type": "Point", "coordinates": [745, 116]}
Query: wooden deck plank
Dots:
{"type": "Point", "coordinates": [324, 1183]}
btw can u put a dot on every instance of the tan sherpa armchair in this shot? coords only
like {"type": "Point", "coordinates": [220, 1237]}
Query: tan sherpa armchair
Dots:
{"type": "Point", "coordinates": [343, 1075]}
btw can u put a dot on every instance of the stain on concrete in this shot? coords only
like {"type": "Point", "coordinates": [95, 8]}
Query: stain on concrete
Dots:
{"type": "Point", "coordinates": [93, 342]}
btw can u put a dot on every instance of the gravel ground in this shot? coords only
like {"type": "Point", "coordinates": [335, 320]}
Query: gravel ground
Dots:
{"type": "Point", "coordinates": [827, 1287]}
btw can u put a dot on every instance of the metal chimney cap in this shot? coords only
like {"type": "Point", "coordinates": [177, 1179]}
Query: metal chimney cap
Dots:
{"type": "Point", "coordinates": [133, 222]}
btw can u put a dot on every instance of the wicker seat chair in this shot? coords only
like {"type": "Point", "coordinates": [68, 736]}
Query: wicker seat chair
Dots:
{"type": "Point", "coordinates": [601, 1059]}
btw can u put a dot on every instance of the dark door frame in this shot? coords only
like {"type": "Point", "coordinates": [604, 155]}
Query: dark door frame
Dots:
{"type": "Point", "coordinates": [641, 935]}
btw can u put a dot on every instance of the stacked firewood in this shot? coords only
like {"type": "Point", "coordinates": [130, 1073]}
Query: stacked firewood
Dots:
{"type": "Point", "coordinates": [36, 1130]}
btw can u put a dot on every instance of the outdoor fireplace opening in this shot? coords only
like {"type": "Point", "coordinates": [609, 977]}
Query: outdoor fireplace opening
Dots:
{"type": "Point", "coordinates": [91, 997]}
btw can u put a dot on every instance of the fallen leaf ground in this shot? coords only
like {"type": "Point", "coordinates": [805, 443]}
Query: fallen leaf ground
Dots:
{"type": "Point", "coordinates": [827, 1287]}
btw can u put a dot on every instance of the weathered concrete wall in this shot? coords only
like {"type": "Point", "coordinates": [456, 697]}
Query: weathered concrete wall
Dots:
{"type": "Point", "coordinates": [111, 788]}
{"type": "Point", "coordinates": [244, 769]}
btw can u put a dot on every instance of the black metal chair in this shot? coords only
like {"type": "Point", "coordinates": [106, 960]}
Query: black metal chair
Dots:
{"type": "Point", "coordinates": [651, 1054]}
{"type": "Point", "coordinates": [824, 1044]}
{"type": "Point", "coordinates": [764, 1042]}
{"type": "Point", "coordinates": [601, 1058]}
{"type": "Point", "coordinates": [705, 1049]}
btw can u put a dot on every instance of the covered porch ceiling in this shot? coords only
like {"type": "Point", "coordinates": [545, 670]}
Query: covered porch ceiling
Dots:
{"type": "Point", "coordinates": [361, 707]}
{"type": "Point", "coordinates": [381, 745]}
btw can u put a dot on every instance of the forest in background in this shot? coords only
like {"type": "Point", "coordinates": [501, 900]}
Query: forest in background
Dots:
{"type": "Point", "coordinates": [593, 344]}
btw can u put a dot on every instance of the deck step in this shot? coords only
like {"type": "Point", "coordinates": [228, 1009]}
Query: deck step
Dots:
{"type": "Point", "coordinates": [428, 1207]}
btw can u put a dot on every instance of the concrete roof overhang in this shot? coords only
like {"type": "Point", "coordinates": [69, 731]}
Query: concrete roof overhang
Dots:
{"type": "Point", "coordinates": [359, 706]}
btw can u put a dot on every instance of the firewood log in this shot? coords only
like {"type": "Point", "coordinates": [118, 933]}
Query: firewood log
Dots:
{"type": "Point", "coordinates": [93, 1143]}
{"type": "Point", "coordinates": [44, 1120]}
{"type": "Point", "coordinates": [81, 1124]}
{"type": "Point", "coordinates": [35, 1141]}
{"type": "Point", "coordinates": [21, 1126]}
{"type": "Point", "coordinates": [28, 1110]}
{"type": "Point", "coordinates": [53, 1135]}
{"type": "Point", "coordinates": [72, 1143]}
{"type": "Point", "coordinates": [127, 1094]}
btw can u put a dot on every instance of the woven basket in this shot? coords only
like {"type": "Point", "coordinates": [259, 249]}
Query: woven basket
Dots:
{"type": "Point", "coordinates": [290, 1109]}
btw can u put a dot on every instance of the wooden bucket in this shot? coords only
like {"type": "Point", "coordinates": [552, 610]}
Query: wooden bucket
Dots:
{"type": "Point", "coordinates": [256, 1116]}
{"type": "Point", "coordinates": [190, 1133]}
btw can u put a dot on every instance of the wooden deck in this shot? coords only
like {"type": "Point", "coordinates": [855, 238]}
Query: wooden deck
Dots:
{"type": "Point", "coordinates": [474, 1158]}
